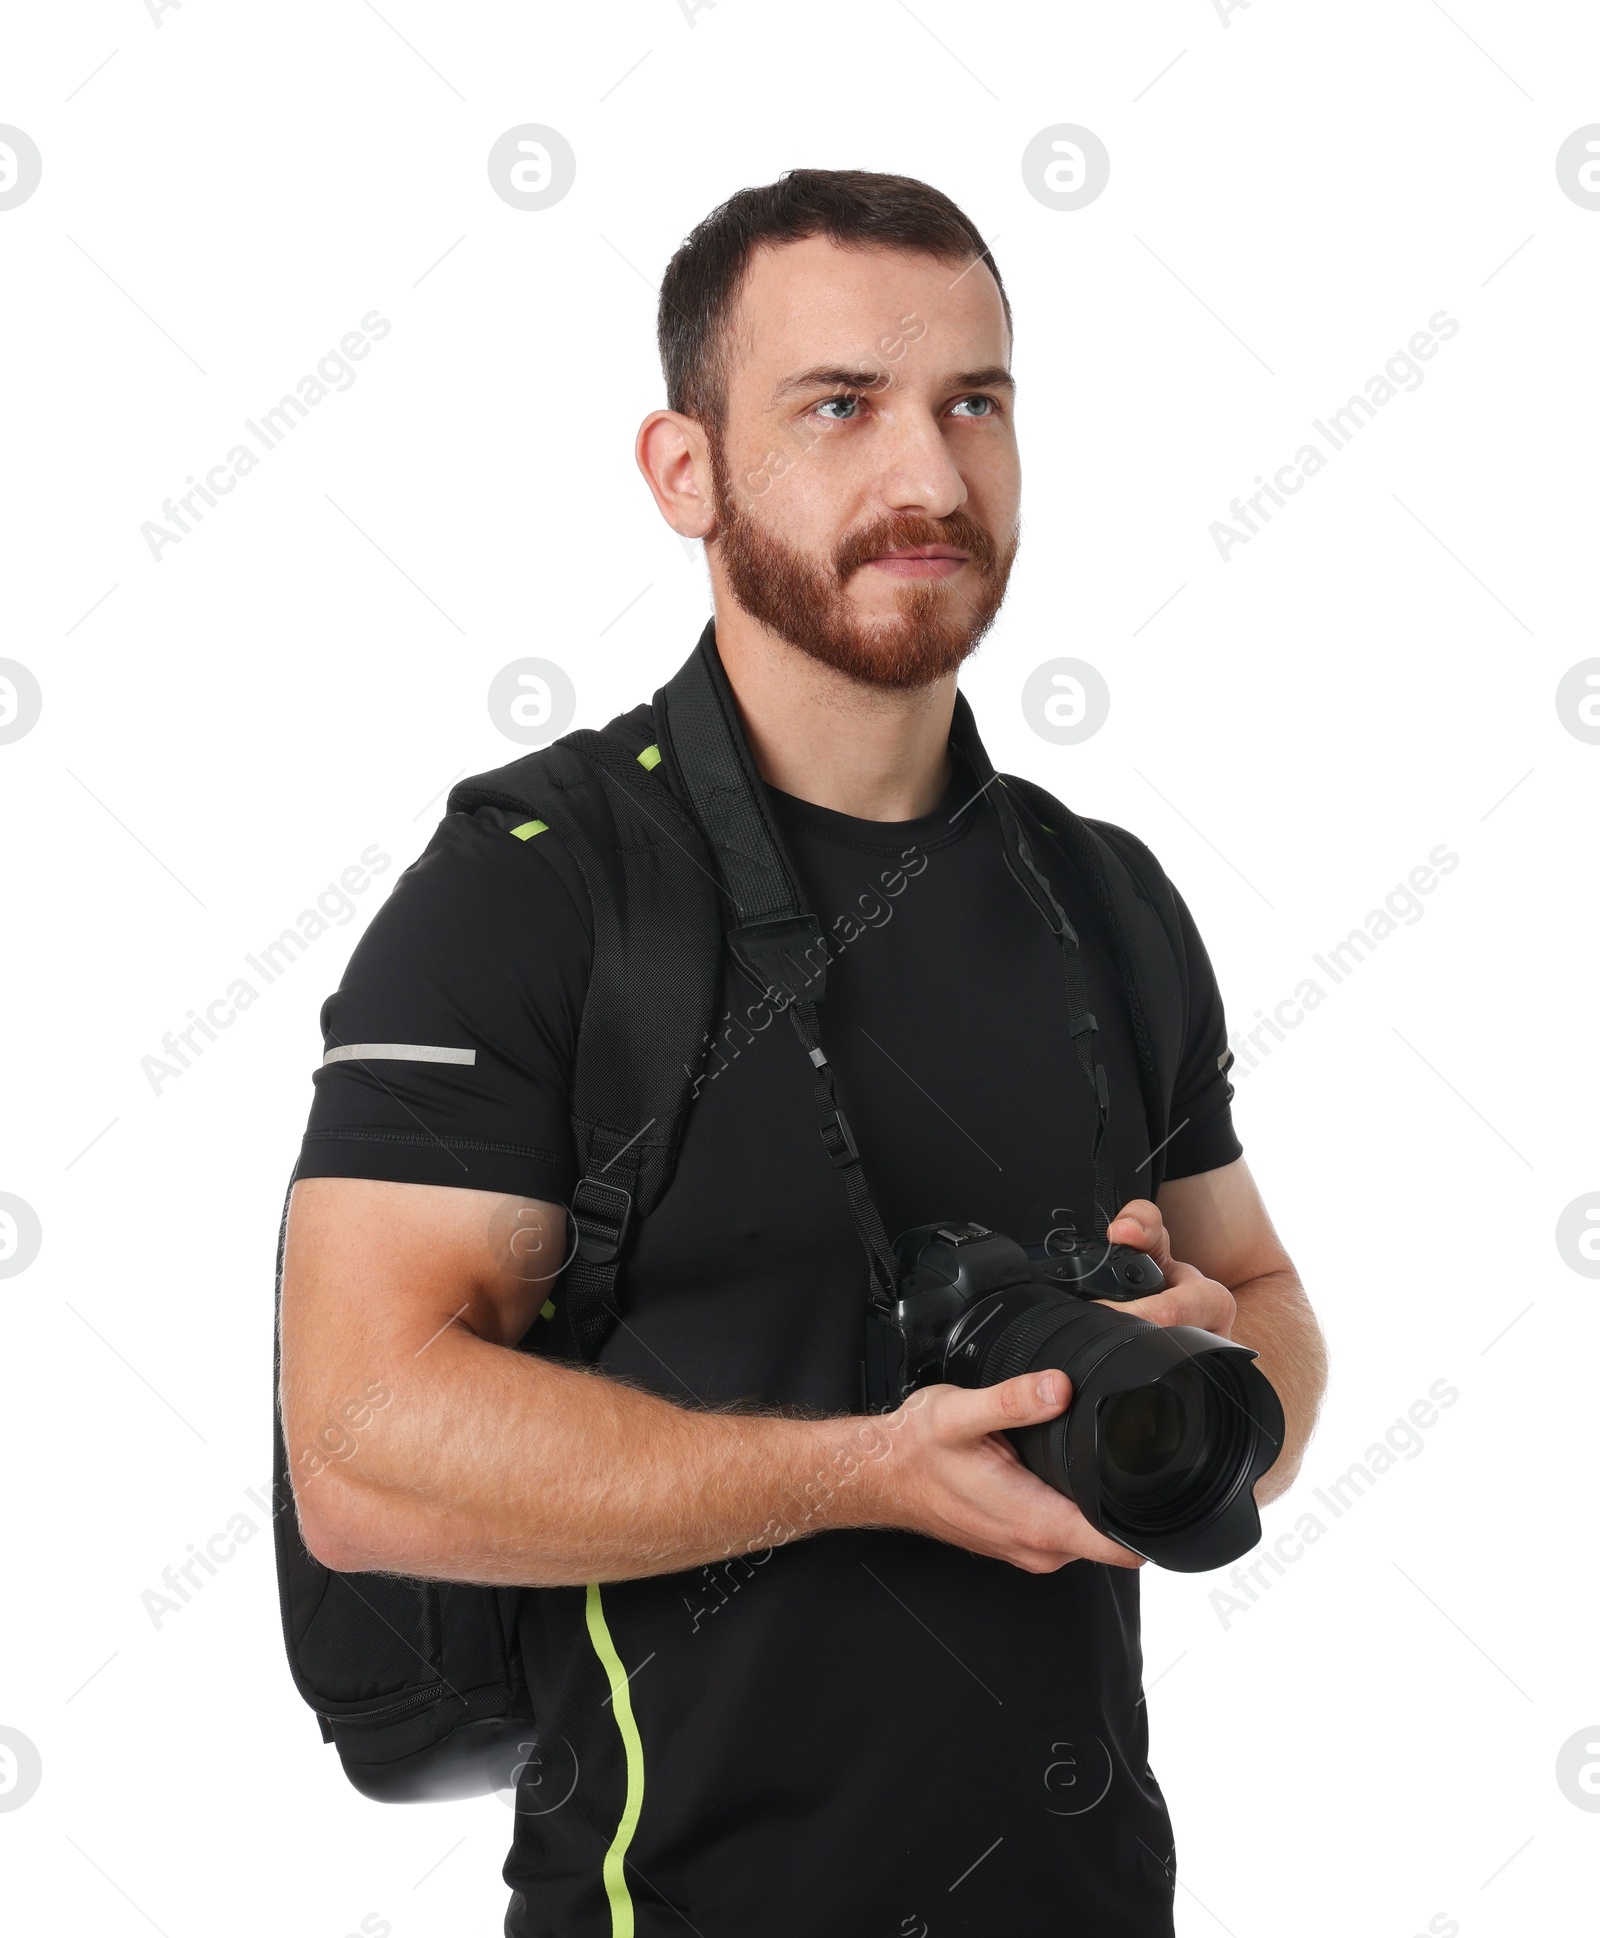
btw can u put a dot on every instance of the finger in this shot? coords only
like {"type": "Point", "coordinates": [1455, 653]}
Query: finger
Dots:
{"type": "Point", "coordinates": [1159, 1309]}
{"type": "Point", "coordinates": [1194, 1301]}
{"type": "Point", "coordinates": [1095, 1546]}
{"type": "Point", "coordinates": [1075, 1538]}
{"type": "Point", "coordinates": [1141, 1225]}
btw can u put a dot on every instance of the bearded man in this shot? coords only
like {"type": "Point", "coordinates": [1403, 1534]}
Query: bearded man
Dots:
{"type": "Point", "coordinates": [917, 1706]}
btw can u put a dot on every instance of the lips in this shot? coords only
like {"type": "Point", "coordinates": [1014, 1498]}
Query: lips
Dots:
{"type": "Point", "coordinates": [923, 552]}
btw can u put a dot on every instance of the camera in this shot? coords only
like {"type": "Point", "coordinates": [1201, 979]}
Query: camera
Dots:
{"type": "Point", "coordinates": [1168, 1428]}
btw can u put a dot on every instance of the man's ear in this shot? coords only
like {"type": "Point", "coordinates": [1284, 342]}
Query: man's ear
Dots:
{"type": "Point", "coordinates": [672, 452]}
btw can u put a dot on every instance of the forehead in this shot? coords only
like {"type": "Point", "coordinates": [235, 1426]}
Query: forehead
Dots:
{"type": "Point", "coordinates": [816, 302]}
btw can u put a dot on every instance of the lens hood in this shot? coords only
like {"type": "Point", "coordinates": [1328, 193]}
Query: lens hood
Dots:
{"type": "Point", "coordinates": [1209, 1517]}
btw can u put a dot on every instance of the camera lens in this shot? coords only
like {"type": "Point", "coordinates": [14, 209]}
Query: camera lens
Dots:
{"type": "Point", "coordinates": [1171, 1449]}
{"type": "Point", "coordinates": [1167, 1430]}
{"type": "Point", "coordinates": [1142, 1431]}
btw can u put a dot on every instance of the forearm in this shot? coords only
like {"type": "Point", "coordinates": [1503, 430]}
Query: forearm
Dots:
{"type": "Point", "coordinates": [498, 1467]}
{"type": "Point", "coordinates": [1275, 1318]}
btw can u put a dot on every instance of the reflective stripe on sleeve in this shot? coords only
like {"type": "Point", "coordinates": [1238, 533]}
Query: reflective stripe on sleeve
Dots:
{"type": "Point", "coordinates": [398, 1053]}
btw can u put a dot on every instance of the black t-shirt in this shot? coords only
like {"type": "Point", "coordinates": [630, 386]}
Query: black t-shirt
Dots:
{"type": "Point", "coordinates": [863, 1731]}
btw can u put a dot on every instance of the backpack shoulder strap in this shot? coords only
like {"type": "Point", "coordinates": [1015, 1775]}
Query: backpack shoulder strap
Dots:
{"type": "Point", "coordinates": [1135, 900]}
{"type": "Point", "coordinates": [653, 984]}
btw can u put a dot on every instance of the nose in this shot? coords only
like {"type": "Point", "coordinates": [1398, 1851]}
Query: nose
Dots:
{"type": "Point", "coordinates": [917, 472]}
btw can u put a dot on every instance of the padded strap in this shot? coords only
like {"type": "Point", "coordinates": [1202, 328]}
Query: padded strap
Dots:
{"type": "Point", "coordinates": [650, 1000]}
{"type": "Point", "coordinates": [709, 759]}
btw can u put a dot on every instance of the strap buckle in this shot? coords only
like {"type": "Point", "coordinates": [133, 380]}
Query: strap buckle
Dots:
{"type": "Point", "coordinates": [837, 1140]}
{"type": "Point", "coordinates": [601, 1221]}
{"type": "Point", "coordinates": [788, 958]}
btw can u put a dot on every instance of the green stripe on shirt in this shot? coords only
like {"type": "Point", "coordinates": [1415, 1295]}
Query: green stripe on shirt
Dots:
{"type": "Point", "coordinates": [616, 1883]}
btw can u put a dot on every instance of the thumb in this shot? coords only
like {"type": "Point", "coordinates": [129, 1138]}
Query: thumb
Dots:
{"type": "Point", "coordinates": [1140, 1224]}
{"type": "Point", "coordinates": [1021, 1401]}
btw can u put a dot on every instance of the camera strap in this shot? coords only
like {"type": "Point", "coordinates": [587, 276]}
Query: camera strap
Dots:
{"type": "Point", "coordinates": [840, 1145]}
{"type": "Point", "coordinates": [778, 942]}
{"type": "Point", "coordinates": [1082, 1024]}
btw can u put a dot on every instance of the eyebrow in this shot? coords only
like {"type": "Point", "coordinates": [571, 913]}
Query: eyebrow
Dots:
{"type": "Point", "coordinates": [828, 376]}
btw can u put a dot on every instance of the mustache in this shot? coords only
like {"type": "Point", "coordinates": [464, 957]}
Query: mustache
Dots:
{"type": "Point", "coordinates": [894, 534]}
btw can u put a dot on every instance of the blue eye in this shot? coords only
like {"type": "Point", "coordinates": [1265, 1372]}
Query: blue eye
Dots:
{"type": "Point", "coordinates": [853, 400]}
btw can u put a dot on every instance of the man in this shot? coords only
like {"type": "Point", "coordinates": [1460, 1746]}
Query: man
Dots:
{"type": "Point", "coordinates": [916, 1706]}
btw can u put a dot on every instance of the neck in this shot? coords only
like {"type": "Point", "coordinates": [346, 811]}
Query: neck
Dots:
{"type": "Point", "coordinates": [869, 752]}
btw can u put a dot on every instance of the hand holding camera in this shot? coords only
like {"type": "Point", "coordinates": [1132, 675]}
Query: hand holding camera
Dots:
{"type": "Point", "coordinates": [951, 1472]}
{"type": "Point", "coordinates": [1165, 1425]}
{"type": "Point", "coordinates": [1188, 1297]}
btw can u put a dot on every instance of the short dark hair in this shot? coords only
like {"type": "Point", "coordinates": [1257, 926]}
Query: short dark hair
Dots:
{"type": "Point", "coordinates": [852, 205]}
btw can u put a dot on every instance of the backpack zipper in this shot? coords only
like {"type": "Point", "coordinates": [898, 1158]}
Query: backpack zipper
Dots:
{"type": "Point", "coordinates": [386, 1711]}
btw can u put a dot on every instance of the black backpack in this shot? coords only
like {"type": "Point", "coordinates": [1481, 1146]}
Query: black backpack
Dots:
{"type": "Point", "coordinates": [418, 1684]}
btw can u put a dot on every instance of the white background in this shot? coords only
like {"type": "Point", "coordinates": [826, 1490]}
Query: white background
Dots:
{"type": "Point", "coordinates": [1371, 1743]}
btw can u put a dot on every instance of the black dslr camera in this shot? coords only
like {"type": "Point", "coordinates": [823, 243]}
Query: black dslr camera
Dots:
{"type": "Point", "coordinates": [1168, 1428]}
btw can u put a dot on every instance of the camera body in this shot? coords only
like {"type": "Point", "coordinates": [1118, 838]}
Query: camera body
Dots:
{"type": "Point", "coordinates": [1167, 1428]}
{"type": "Point", "coordinates": [951, 1276]}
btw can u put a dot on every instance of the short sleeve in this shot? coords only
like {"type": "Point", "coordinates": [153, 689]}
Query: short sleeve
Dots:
{"type": "Point", "coordinates": [1202, 1095]}
{"type": "Point", "coordinates": [448, 1046]}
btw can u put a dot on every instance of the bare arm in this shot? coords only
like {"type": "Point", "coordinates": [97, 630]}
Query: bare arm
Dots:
{"type": "Point", "coordinates": [485, 1464]}
{"type": "Point", "coordinates": [1217, 1225]}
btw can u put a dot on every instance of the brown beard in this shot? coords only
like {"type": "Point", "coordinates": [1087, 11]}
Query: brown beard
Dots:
{"type": "Point", "coordinates": [936, 625]}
